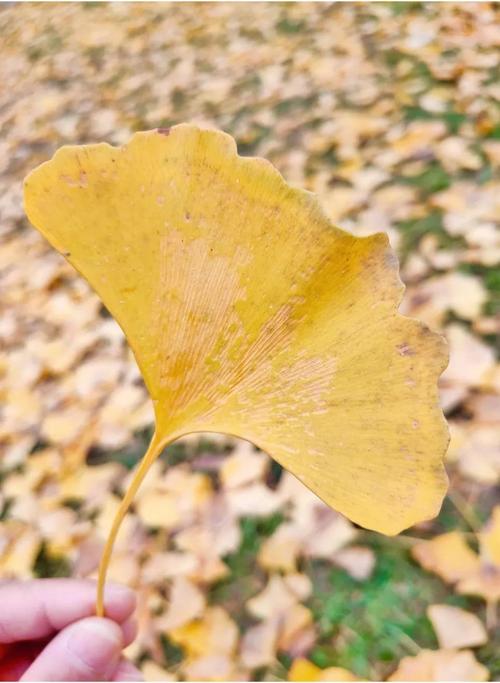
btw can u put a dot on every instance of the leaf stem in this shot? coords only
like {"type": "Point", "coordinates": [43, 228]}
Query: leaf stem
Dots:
{"type": "Point", "coordinates": [154, 449]}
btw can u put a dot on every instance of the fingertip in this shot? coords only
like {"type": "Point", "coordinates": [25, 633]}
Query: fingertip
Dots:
{"type": "Point", "coordinates": [119, 601]}
{"type": "Point", "coordinates": [87, 650]}
{"type": "Point", "coordinates": [96, 642]}
{"type": "Point", "coordinates": [129, 631]}
{"type": "Point", "coordinates": [96, 629]}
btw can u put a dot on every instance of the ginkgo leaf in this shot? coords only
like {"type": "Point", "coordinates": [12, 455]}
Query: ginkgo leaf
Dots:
{"type": "Point", "coordinates": [448, 555]}
{"type": "Point", "coordinates": [304, 670]}
{"type": "Point", "coordinates": [456, 628]}
{"type": "Point", "coordinates": [250, 314]}
{"type": "Point", "coordinates": [440, 665]}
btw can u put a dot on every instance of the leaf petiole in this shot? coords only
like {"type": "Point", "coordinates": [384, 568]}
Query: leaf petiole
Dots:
{"type": "Point", "coordinates": [154, 449]}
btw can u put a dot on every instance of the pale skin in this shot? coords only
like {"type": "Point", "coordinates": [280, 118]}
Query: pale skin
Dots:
{"type": "Point", "coordinates": [49, 631]}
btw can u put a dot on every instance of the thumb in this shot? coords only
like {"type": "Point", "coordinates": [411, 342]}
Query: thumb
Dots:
{"type": "Point", "coordinates": [88, 650]}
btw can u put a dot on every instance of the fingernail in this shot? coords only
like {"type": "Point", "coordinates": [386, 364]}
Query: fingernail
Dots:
{"type": "Point", "coordinates": [97, 643]}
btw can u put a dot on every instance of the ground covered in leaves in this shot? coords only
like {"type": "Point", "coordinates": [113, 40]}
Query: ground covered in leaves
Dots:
{"type": "Point", "coordinates": [390, 112]}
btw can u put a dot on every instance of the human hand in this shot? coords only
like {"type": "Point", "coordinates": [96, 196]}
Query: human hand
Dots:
{"type": "Point", "coordinates": [48, 633]}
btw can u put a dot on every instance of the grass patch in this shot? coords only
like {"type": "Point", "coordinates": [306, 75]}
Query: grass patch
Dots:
{"type": "Point", "coordinates": [367, 627]}
{"type": "Point", "coordinates": [51, 566]}
{"type": "Point", "coordinates": [398, 8]}
{"type": "Point", "coordinates": [174, 654]}
{"type": "Point", "coordinates": [290, 26]}
{"type": "Point", "coordinates": [494, 133]}
{"type": "Point", "coordinates": [414, 229]}
{"type": "Point", "coordinates": [293, 104]}
{"type": "Point", "coordinates": [451, 118]}
{"type": "Point", "coordinates": [433, 179]}
{"type": "Point", "coordinates": [376, 622]}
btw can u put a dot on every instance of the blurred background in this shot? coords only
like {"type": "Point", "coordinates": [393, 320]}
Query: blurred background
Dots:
{"type": "Point", "coordinates": [390, 112]}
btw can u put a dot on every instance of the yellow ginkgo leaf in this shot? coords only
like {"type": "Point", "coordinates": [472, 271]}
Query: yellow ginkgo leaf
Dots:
{"type": "Point", "coordinates": [304, 670]}
{"type": "Point", "coordinates": [250, 314]}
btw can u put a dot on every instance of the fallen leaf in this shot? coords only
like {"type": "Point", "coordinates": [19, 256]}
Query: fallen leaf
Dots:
{"type": "Point", "coordinates": [65, 426]}
{"type": "Point", "coordinates": [276, 598]}
{"type": "Point", "coordinates": [304, 670]}
{"type": "Point", "coordinates": [485, 583]}
{"type": "Point", "coordinates": [256, 500]}
{"type": "Point", "coordinates": [471, 362]}
{"type": "Point", "coordinates": [162, 566]}
{"type": "Point", "coordinates": [159, 509]}
{"type": "Point", "coordinates": [297, 619]}
{"type": "Point", "coordinates": [243, 466]}
{"type": "Point", "coordinates": [280, 551]}
{"type": "Point", "coordinates": [124, 568]}
{"type": "Point", "coordinates": [300, 585]}
{"type": "Point", "coordinates": [463, 294]}
{"type": "Point", "coordinates": [19, 547]}
{"type": "Point", "coordinates": [358, 561]}
{"type": "Point", "coordinates": [455, 154]}
{"type": "Point", "coordinates": [456, 628]}
{"type": "Point", "coordinates": [477, 452]}
{"type": "Point", "coordinates": [470, 359]}
{"type": "Point", "coordinates": [153, 672]}
{"type": "Point", "coordinates": [258, 645]}
{"type": "Point", "coordinates": [215, 633]}
{"type": "Point", "coordinates": [440, 665]}
{"type": "Point", "coordinates": [327, 534]}
{"type": "Point", "coordinates": [448, 555]}
{"type": "Point", "coordinates": [186, 602]}
{"type": "Point", "coordinates": [212, 668]}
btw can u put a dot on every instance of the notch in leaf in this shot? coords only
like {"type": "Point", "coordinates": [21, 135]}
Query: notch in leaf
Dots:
{"type": "Point", "coordinates": [250, 314]}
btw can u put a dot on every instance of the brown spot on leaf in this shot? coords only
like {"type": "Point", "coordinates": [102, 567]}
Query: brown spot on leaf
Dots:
{"type": "Point", "coordinates": [405, 350]}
